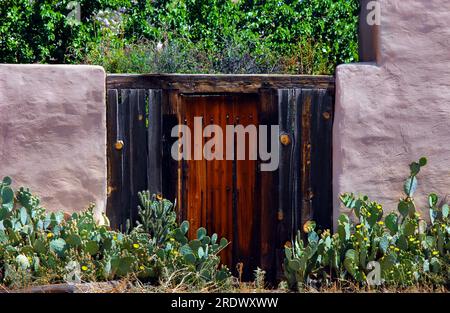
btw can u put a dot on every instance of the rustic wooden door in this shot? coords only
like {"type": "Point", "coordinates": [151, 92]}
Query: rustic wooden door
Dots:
{"type": "Point", "coordinates": [221, 194]}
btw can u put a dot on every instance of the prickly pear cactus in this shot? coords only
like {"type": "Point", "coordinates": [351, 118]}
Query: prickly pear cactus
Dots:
{"type": "Point", "coordinates": [400, 249]}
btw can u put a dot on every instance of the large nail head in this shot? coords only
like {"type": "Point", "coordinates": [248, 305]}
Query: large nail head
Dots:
{"type": "Point", "coordinates": [119, 145]}
{"type": "Point", "coordinates": [285, 139]}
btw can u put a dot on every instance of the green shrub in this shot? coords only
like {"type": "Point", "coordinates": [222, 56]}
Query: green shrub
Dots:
{"type": "Point", "coordinates": [408, 250]}
{"type": "Point", "coordinates": [202, 36]}
{"type": "Point", "coordinates": [37, 247]}
{"type": "Point", "coordinates": [40, 31]}
{"type": "Point", "coordinates": [144, 56]}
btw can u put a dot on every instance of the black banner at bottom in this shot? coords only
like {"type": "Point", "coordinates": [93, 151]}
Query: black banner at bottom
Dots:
{"type": "Point", "coordinates": [230, 302]}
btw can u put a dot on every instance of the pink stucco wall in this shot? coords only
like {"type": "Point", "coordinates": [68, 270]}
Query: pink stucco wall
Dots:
{"type": "Point", "coordinates": [53, 133]}
{"type": "Point", "coordinates": [391, 113]}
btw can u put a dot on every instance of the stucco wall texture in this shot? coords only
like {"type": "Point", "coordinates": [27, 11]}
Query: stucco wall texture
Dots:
{"type": "Point", "coordinates": [53, 133]}
{"type": "Point", "coordinates": [391, 113]}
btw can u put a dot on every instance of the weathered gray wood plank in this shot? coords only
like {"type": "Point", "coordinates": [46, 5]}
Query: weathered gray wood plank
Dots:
{"type": "Point", "coordinates": [113, 157]}
{"type": "Point", "coordinates": [154, 142]}
{"type": "Point", "coordinates": [202, 83]}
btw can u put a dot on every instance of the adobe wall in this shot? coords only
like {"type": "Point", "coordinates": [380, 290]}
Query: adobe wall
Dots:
{"type": "Point", "coordinates": [53, 133]}
{"type": "Point", "coordinates": [392, 112]}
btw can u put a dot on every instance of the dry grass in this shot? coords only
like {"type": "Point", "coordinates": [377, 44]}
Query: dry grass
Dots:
{"type": "Point", "coordinates": [132, 285]}
{"type": "Point", "coordinates": [252, 287]}
{"type": "Point", "coordinates": [249, 289]}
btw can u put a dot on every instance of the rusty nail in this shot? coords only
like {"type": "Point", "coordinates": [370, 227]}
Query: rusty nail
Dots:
{"type": "Point", "coordinates": [119, 145]}
{"type": "Point", "coordinates": [280, 215]}
{"type": "Point", "coordinates": [285, 139]}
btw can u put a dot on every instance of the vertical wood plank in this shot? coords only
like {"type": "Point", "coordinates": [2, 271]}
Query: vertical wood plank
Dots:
{"type": "Point", "coordinates": [268, 115]}
{"type": "Point", "coordinates": [219, 178]}
{"type": "Point", "coordinates": [196, 169]}
{"type": "Point", "coordinates": [248, 211]}
{"type": "Point", "coordinates": [285, 156]}
{"type": "Point", "coordinates": [174, 102]}
{"type": "Point", "coordinates": [289, 172]}
{"type": "Point", "coordinates": [124, 136]}
{"type": "Point", "coordinates": [284, 191]}
{"type": "Point", "coordinates": [154, 169]}
{"type": "Point", "coordinates": [169, 164]}
{"type": "Point", "coordinates": [113, 156]}
{"type": "Point", "coordinates": [297, 108]}
{"type": "Point", "coordinates": [138, 150]}
{"type": "Point", "coordinates": [321, 157]}
{"type": "Point", "coordinates": [290, 108]}
{"type": "Point", "coordinates": [227, 215]}
{"type": "Point", "coordinates": [305, 196]}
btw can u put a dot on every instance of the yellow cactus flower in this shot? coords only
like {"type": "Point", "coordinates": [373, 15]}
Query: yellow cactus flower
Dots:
{"type": "Point", "coordinates": [49, 235]}
{"type": "Point", "coordinates": [84, 268]}
{"type": "Point", "coordinates": [115, 237]}
{"type": "Point", "coordinates": [396, 249]}
{"type": "Point", "coordinates": [135, 245]}
{"type": "Point", "coordinates": [142, 267]}
{"type": "Point", "coordinates": [412, 239]}
{"type": "Point", "coordinates": [159, 196]}
{"type": "Point", "coordinates": [380, 223]}
{"type": "Point", "coordinates": [359, 226]}
{"type": "Point", "coordinates": [366, 239]}
{"type": "Point", "coordinates": [435, 252]}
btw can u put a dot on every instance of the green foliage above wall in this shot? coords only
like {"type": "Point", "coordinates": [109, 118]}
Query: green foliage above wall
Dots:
{"type": "Point", "coordinates": [303, 36]}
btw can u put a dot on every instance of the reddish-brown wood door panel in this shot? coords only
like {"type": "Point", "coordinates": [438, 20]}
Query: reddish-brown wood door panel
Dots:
{"type": "Point", "coordinates": [220, 194]}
